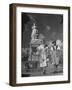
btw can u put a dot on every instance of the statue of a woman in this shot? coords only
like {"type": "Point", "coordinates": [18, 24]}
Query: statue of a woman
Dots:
{"type": "Point", "coordinates": [34, 32]}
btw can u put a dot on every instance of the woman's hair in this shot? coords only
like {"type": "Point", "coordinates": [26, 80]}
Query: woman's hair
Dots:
{"type": "Point", "coordinates": [46, 45]}
{"type": "Point", "coordinates": [54, 42]}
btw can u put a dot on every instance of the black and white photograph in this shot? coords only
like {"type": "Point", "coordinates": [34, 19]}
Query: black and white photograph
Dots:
{"type": "Point", "coordinates": [42, 44]}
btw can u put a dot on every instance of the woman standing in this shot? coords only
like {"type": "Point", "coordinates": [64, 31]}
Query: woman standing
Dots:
{"type": "Point", "coordinates": [42, 55]}
{"type": "Point", "coordinates": [55, 57]}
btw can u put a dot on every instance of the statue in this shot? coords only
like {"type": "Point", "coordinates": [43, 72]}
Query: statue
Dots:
{"type": "Point", "coordinates": [34, 32]}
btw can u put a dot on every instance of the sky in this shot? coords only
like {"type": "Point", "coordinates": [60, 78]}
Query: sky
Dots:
{"type": "Point", "coordinates": [49, 26]}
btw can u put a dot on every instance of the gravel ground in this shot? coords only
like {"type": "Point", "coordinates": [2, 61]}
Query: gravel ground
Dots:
{"type": "Point", "coordinates": [50, 71]}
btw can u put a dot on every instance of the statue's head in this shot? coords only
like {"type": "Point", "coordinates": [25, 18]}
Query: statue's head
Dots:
{"type": "Point", "coordinates": [34, 26]}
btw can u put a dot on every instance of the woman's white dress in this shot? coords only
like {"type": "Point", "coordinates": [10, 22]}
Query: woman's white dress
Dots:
{"type": "Point", "coordinates": [42, 57]}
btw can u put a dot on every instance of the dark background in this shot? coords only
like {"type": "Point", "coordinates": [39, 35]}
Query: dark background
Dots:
{"type": "Point", "coordinates": [50, 26]}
